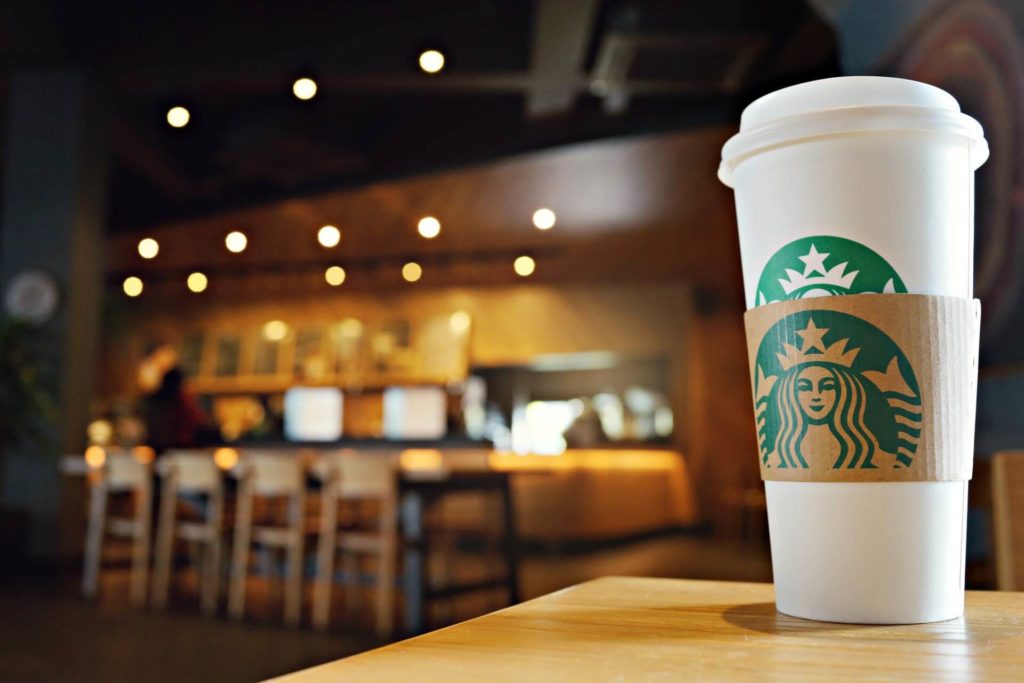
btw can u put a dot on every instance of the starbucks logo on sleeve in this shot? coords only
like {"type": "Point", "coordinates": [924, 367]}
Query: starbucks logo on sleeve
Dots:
{"type": "Point", "coordinates": [825, 266]}
{"type": "Point", "coordinates": [832, 391]}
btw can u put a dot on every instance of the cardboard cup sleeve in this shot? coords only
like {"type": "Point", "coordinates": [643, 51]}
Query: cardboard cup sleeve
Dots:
{"type": "Point", "coordinates": [865, 388]}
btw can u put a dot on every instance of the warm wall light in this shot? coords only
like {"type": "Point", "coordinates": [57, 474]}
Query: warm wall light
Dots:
{"type": "Point", "coordinates": [524, 266]}
{"type": "Point", "coordinates": [335, 275]}
{"type": "Point", "coordinates": [412, 272]}
{"type": "Point", "coordinates": [421, 459]}
{"type": "Point", "coordinates": [132, 286]}
{"type": "Point", "coordinates": [429, 227]}
{"type": "Point", "coordinates": [544, 219]}
{"type": "Point", "coordinates": [225, 458]}
{"type": "Point", "coordinates": [148, 247]}
{"type": "Point", "coordinates": [431, 61]}
{"type": "Point", "coordinates": [328, 236]}
{"type": "Point", "coordinates": [197, 282]}
{"type": "Point", "coordinates": [351, 328]}
{"type": "Point", "coordinates": [275, 330]}
{"type": "Point", "coordinates": [144, 455]}
{"type": "Point", "coordinates": [95, 457]}
{"type": "Point", "coordinates": [304, 88]}
{"type": "Point", "coordinates": [178, 117]}
{"type": "Point", "coordinates": [459, 322]}
{"type": "Point", "coordinates": [236, 241]}
{"type": "Point", "coordinates": [100, 432]}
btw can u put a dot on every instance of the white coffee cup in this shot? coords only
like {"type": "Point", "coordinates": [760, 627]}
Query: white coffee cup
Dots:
{"type": "Point", "coordinates": [845, 186]}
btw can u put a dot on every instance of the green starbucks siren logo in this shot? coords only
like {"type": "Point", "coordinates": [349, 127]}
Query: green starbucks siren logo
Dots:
{"type": "Point", "coordinates": [834, 391]}
{"type": "Point", "coordinates": [825, 266]}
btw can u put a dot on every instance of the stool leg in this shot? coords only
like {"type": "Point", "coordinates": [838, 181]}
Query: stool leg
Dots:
{"type": "Point", "coordinates": [164, 543]}
{"type": "Point", "coordinates": [326, 550]}
{"type": "Point", "coordinates": [240, 553]}
{"type": "Point", "coordinates": [353, 589]}
{"type": "Point", "coordinates": [210, 588]}
{"type": "Point", "coordinates": [495, 549]}
{"type": "Point", "coordinates": [411, 508]}
{"type": "Point", "coordinates": [293, 587]}
{"type": "Point", "coordinates": [511, 541]}
{"type": "Point", "coordinates": [386, 568]}
{"type": "Point", "coordinates": [94, 540]}
{"type": "Point", "coordinates": [140, 544]}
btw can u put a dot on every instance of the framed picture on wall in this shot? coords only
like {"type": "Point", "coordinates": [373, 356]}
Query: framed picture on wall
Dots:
{"type": "Point", "coordinates": [346, 345]}
{"type": "Point", "coordinates": [190, 353]}
{"type": "Point", "coordinates": [227, 358]}
{"type": "Point", "coordinates": [266, 357]}
{"type": "Point", "coordinates": [310, 361]}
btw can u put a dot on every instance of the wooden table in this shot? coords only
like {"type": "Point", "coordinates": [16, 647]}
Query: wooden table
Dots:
{"type": "Point", "coordinates": [633, 629]}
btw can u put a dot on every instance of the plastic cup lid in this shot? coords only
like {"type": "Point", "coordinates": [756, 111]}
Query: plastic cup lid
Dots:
{"type": "Point", "coordinates": [844, 105]}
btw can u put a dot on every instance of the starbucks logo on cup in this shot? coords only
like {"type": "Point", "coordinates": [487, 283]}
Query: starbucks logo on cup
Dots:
{"type": "Point", "coordinates": [832, 391]}
{"type": "Point", "coordinates": [825, 266]}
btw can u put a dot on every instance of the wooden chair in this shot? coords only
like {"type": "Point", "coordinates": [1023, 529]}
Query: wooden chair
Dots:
{"type": "Point", "coordinates": [194, 473]}
{"type": "Point", "coordinates": [1008, 519]}
{"type": "Point", "coordinates": [269, 475]}
{"type": "Point", "coordinates": [351, 477]}
{"type": "Point", "coordinates": [119, 472]}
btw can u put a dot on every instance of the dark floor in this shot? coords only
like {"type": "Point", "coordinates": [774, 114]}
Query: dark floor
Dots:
{"type": "Point", "coordinates": [48, 633]}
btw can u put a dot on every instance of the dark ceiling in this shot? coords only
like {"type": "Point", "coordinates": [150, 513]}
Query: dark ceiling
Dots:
{"type": "Point", "coordinates": [519, 76]}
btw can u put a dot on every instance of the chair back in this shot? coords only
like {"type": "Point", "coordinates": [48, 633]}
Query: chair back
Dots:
{"type": "Point", "coordinates": [1008, 519]}
{"type": "Point", "coordinates": [194, 471]}
{"type": "Point", "coordinates": [273, 473]}
{"type": "Point", "coordinates": [122, 472]}
{"type": "Point", "coordinates": [365, 475]}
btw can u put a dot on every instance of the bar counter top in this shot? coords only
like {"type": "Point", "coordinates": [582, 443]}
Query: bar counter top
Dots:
{"type": "Point", "coordinates": [579, 495]}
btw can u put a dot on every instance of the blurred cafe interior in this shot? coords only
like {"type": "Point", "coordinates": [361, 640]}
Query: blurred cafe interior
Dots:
{"type": "Point", "coordinates": [328, 323]}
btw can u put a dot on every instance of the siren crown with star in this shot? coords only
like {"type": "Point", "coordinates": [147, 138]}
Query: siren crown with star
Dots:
{"type": "Point", "coordinates": [814, 262]}
{"type": "Point", "coordinates": [813, 349]}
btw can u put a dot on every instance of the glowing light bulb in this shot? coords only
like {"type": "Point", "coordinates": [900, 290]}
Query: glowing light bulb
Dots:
{"type": "Point", "coordinates": [178, 117]}
{"type": "Point", "coordinates": [132, 286]}
{"type": "Point", "coordinates": [328, 236]}
{"type": "Point", "coordinates": [524, 266]}
{"type": "Point", "coordinates": [148, 248]}
{"type": "Point", "coordinates": [304, 88]}
{"type": "Point", "coordinates": [429, 227]}
{"type": "Point", "coordinates": [412, 271]}
{"type": "Point", "coordinates": [335, 275]}
{"type": "Point", "coordinates": [197, 282]}
{"type": "Point", "coordinates": [431, 61]}
{"type": "Point", "coordinates": [236, 241]}
{"type": "Point", "coordinates": [544, 219]}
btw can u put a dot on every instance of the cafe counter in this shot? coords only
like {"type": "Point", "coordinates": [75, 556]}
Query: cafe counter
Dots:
{"type": "Point", "coordinates": [583, 495]}
{"type": "Point", "coordinates": [577, 496]}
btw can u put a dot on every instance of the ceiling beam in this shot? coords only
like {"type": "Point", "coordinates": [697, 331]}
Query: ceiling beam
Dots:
{"type": "Point", "coordinates": [206, 85]}
{"type": "Point", "coordinates": [561, 36]}
{"type": "Point", "coordinates": [141, 151]}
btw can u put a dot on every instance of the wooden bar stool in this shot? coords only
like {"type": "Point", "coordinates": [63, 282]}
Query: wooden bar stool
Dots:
{"type": "Point", "coordinates": [269, 475]}
{"type": "Point", "coordinates": [352, 477]}
{"type": "Point", "coordinates": [190, 473]}
{"type": "Point", "coordinates": [118, 472]}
